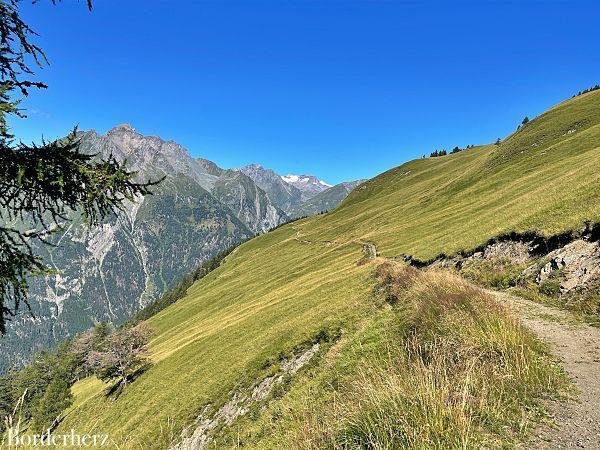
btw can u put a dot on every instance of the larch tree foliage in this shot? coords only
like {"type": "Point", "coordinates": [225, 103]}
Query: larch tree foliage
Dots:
{"type": "Point", "coordinates": [40, 184]}
{"type": "Point", "coordinates": [121, 357]}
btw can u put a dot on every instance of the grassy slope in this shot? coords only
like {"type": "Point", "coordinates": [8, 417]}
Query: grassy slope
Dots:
{"type": "Point", "coordinates": [441, 366]}
{"type": "Point", "coordinates": [537, 179]}
{"type": "Point", "coordinates": [281, 288]}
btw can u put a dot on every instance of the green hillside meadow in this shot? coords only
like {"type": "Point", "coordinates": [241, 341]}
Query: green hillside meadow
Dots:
{"type": "Point", "coordinates": [284, 289]}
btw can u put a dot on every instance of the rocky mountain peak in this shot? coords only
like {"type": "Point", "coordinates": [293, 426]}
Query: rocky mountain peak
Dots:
{"type": "Point", "coordinates": [124, 127]}
{"type": "Point", "coordinates": [258, 171]}
{"type": "Point", "coordinates": [308, 185]}
{"type": "Point", "coordinates": [254, 167]}
{"type": "Point", "coordinates": [145, 151]}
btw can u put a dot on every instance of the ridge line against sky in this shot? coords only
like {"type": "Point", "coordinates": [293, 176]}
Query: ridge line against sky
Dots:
{"type": "Point", "coordinates": [339, 89]}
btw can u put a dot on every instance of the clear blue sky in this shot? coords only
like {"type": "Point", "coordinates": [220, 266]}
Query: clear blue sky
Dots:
{"type": "Point", "coordinates": [341, 89]}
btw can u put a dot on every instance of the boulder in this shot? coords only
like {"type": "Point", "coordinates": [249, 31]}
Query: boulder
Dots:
{"type": "Point", "coordinates": [579, 262]}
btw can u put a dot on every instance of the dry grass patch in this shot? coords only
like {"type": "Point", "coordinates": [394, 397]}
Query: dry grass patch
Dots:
{"type": "Point", "coordinates": [451, 368]}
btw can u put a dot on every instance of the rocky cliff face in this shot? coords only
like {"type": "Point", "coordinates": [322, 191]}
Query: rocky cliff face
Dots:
{"type": "Point", "coordinates": [574, 267]}
{"type": "Point", "coordinates": [109, 272]}
{"type": "Point", "coordinates": [299, 195]}
{"type": "Point", "coordinates": [250, 203]}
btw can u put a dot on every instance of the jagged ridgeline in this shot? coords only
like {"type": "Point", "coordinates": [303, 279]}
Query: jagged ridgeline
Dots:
{"type": "Point", "coordinates": [111, 271]}
{"type": "Point", "coordinates": [278, 295]}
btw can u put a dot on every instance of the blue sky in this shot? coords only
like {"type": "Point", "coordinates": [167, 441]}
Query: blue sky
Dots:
{"type": "Point", "coordinates": [341, 89]}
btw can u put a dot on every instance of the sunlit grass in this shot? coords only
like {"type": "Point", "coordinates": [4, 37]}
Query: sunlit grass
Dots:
{"type": "Point", "coordinates": [446, 367]}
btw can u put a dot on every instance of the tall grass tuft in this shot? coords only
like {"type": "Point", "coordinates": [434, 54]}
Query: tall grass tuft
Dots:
{"type": "Point", "coordinates": [453, 369]}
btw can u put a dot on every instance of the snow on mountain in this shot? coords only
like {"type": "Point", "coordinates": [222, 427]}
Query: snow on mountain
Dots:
{"type": "Point", "coordinates": [304, 179]}
{"type": "Point", "coordinates": [309, 185]}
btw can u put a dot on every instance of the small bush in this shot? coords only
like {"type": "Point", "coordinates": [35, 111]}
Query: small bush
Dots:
{"type": "Point", "coordinates": [122, 357]}
{"type": "Point", "coordinates": [585, 301]}
{"type": "Point", "coordinates": [550, 287]}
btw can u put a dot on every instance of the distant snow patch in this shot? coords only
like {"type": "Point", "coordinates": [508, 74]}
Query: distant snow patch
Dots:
{"type": "Point", "coordinates": [303, 179]}
{"type": "Point", "coordinates": [290, 178]}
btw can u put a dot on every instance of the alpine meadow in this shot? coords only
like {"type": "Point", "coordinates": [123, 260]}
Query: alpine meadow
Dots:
{"type": "Point", "coordinates": [266, 261]}
{"type": "Point", "coordinates": [306, 283]}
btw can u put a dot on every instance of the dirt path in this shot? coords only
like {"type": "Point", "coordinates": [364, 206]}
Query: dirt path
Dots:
{"type": "Point", "coordinates": [578, 346]}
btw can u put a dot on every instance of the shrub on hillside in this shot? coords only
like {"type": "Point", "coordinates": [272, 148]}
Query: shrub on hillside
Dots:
{"type": "Point", "coordinates": [33, 380]}
{"type": "Point", "coordinates": [6, 400]}
{"type": "Point", "coordinates": [550, 287]}
{"type": "Point", "coordinates": [56, 399]}
{"type": "Point", "coordinates": [44, 387]}
{"type": "Point", "coordinates": [86, 343]}
{"type": "Point", "coordinates": [121, 357]}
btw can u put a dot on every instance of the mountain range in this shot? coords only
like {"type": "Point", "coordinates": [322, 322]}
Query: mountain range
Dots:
{"type": "Point", "coordinates": [110, 271]}
{"type": "Point", "coordinates": [299, 195]}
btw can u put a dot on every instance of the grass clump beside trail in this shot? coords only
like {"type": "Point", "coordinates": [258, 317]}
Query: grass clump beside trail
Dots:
{"type": "Point", "coordinates": [500, 273]}
{"type": "Point", "coordinates": [445, 367]}
{"type": "Point", "coordinates": [504, 274]}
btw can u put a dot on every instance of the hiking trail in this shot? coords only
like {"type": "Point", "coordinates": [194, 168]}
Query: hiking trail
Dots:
{"type": "Point", "coordinates": [577, 346]}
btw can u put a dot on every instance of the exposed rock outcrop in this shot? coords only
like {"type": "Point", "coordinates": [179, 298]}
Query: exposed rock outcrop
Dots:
{"type": "Point", "coordinates": [569, 261]}
{"type": "Point", "coordinates": [239, 404]}
{"type": "Point", "coordinates": [578, 263]}
{"type": "Point", "coordinates": [516, 251]}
